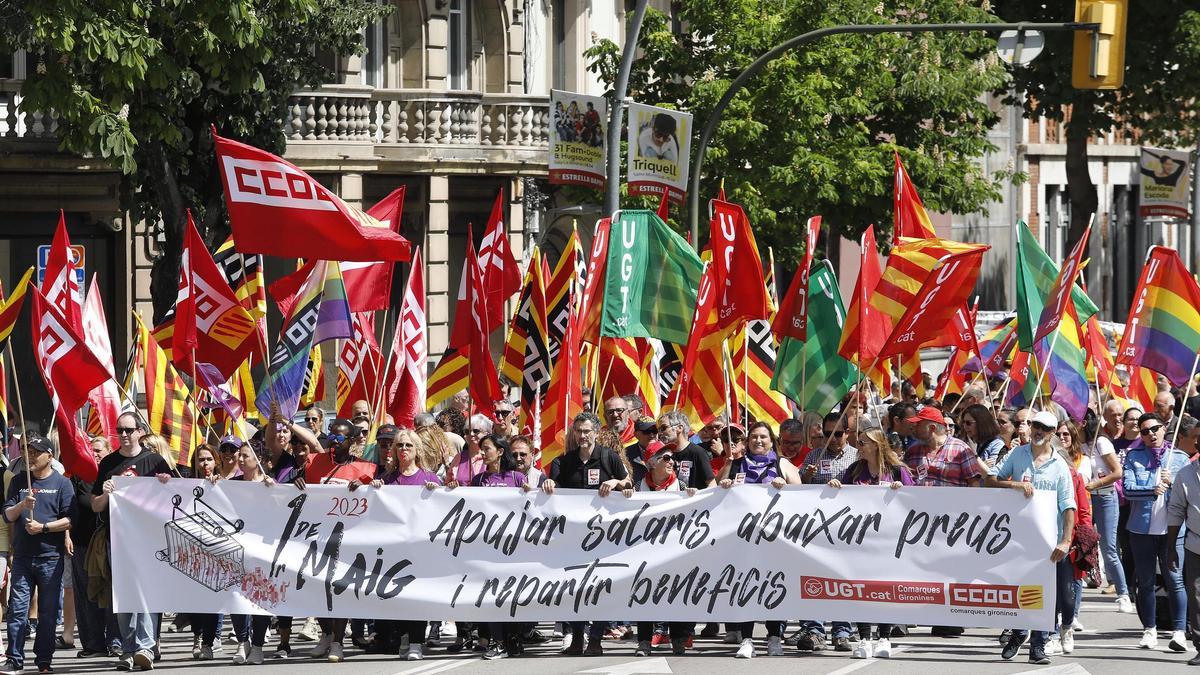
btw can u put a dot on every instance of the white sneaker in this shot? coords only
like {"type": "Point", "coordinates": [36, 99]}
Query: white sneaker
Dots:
{"type": "Point", "coordinates": [311, 630]}
{"type": "Point", "coordinates": [775, 646]}
{"type": "Point", "coordinates": [1067, 639]}
{"type": "Point", "coordinates": [567, 638]}
{"type": "Point", "coordinates": [322, 648]}
{"type": "Point", "coordinates": [1124, 606]}
{"type": "Point", "coordinates": [746, 651]}
{"type": "Point", "coordinates": [1178, 642]}
{"type": "Point", "coordinates": [335, 653]}
{"type": "Point", "coordinates": [256, 656]}
{"type": "Point", "coordinates": [733, 637]}
{"type": "Point", "coordinates": [883, 648]}
{"type": "Point", "coordinates": [414, 653]}
{"type": "Point", "coordinates": [1077, 625]}
{"type": "Point", "coordinates": [1054, 646]}
{"type": "Point", "coordinates": [863, 650]}
{"type": "Point", "coordinates": [1149, 639]}
{"type": "Point", "coordinates": [239, 657]}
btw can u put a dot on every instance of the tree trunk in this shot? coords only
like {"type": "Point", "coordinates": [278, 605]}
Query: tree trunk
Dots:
{"type": "Point", "coordinates": [164, 276]}
{"type": "Point", "coordinates": [1080, 188]}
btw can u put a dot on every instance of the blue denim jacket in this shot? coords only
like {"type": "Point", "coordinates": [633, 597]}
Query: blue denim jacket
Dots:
{"type": "Point", "coordinates": [1141, 476]}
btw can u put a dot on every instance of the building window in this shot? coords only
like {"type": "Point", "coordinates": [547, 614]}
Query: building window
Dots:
{"type": "Point", "coordinates": [372, 70]}
{"type": "Point", "coordinates": [460, 44]}
{"type": "Point", "coordinates": [559, 57]}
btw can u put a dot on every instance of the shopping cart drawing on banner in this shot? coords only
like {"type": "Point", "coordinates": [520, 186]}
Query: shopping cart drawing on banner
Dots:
{"type": "Point", "coordinates": [201, 547]}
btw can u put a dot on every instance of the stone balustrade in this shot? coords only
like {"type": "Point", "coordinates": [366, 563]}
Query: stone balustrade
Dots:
{"type": "Point", "coordinates": [18, 123]}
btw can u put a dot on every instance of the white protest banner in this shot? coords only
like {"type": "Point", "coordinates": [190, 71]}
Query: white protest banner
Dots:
{"type": "Point", "coordinates": [577, 139]}
{"type": "Point", "coordinates": [941, 556]}
{"type": "Point", "coordinates": [1164, 176]}
{"type": "Point", "coordinates": [659, 146]}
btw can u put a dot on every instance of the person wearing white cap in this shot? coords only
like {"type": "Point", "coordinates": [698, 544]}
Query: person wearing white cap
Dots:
{"type": "Point", "coordinates": [1036, 466]}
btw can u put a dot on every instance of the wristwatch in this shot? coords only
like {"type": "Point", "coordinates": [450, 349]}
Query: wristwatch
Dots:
{"type": "Point", "coordinates": [44, 528]}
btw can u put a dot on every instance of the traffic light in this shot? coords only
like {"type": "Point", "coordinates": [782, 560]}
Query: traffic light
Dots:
{"type": "Point", "coordinates": [1099, 59]}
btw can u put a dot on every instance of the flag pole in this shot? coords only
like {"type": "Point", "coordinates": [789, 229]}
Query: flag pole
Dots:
{"type": "Point", "coordinates": [842, 417]}
{"type": "Point", "coordinates": [599, 385]}
{"type": "Point", "coordinates": [1042, 367]}
{"type": "Point", "coordinates": [971, 384]}
{"type": "Point", "coordinates": [377, 395]}
{"type": "Point", "coordinates": [21, 416]}
{"type": "Point", "coordinates": [746, 375]}
{"type": "Point", "coordinates": [1186, 395]}
{"type": "Point", "coordinates": [726, 370]}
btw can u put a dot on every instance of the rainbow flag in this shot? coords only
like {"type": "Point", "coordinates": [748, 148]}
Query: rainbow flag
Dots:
{"type": "Point", "coordinates": [1066, 366]}
{"type": "Point", "coordinates": [1163, 329]}
{"type": "Point", "coordinates": [996, 346]}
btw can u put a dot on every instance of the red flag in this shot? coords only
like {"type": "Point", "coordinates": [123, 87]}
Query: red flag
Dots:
{"type": "Point", "coordinates": [593, 301]}
{"type": "Point", "coordinates": [866, 328]}
{"type": "Point", "coordinates": [358, 365]}
{"type": "Point", "coordinates": [407, 378]}
{"type": "Point", "coordinates": [741, 293]}
{"type": "Point", "coordinates": [564, 393]}
{"type": "Point", "coordinates": [911, 218]}
{"type": "Point", "coordinates": [284, 289]}
{"type": "Point", "coordinates": [946, 289]}
{"type": "Point", "coordinates": [105, 399]}
{"type": "Point", "coordinates": [209, 322]}
{"type": "Point", "coordinates": [792, 318]}
{"type": "Point", "coordinates": [277, 209]}
{"type": "Point", "coordinates": [484, 384]}
{"type": "Point", "coordinates": [60, 287]}
{"type": "Point", "coordinates": [501, 276]}
{"type": "Point", "coordinates": [1060, 292]}
{"type": "Point", "coordinates": [369, 284]}
{"type": "Point", "coordinates": [664, 208]}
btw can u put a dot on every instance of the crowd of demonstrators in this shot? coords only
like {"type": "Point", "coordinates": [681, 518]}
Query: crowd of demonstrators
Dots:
{"type": "Point", "coordinates": [1124, 480]}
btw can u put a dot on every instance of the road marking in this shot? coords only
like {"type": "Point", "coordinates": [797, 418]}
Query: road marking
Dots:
{"type": "Point", "coordinates": [430, 667]}
{"type": "Point", "coordinates": [1065, 669]}
{"type": "Point", "coordinates": [658, 665]}
{"type": "Point", "coordinates": [858, 665]}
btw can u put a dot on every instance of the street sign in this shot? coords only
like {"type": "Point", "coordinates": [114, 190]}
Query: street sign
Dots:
{"type": "Point", "coordinates": [1024, 51]}
{"type": "Point", "coordinates": [78, 259]}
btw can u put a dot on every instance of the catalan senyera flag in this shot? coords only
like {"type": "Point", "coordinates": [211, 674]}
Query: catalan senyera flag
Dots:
{"type": "Point", "coordinates": [1163, 329]}
{"type": "Point", "coordinates": [1143, 387]}
{"type": "Point", "coordinates": [941, 296]}
{"type": "Point", "coordinates": [169, 411]}
{"type": "Point", "coordinates": [700, 390]}
{"type": "Point", "coordinates": [10, 307]}
{"type": "Point", "coordinates": [620, 368]}
{"type": "Point", "coordinates": [754, 356]}
{"type": "Point", "coordinates": [908, 266]}
{"type": "Point", "coordinates": [512, 359]}
{"type": "Point", "coordinates": [910, 372]}
{"type": "Point", "coordinates": [564, 398]}
{"type": "Point", "coordinates": [562, 289]}
{"type": "Point", "coordinates": [911, 218]}
{"type": "Point", "coordinates": [1102, 369]}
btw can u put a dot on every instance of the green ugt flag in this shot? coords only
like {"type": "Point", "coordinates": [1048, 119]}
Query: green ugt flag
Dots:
{"type": "Point", "coordinates": [1036, 273]}
{"type": "Point", "coordinates": [651, 280]}
{"type": "Point", "coordinates": [827, 377]}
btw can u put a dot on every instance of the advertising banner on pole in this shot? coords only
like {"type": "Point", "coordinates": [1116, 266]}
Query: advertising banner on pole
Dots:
{"type": "Point", "coordinates": [577, 135]}
{"type": "Point", "coordinates": [1164, 175]}
{"type": "Point", "coordinates": [930, 556]}
{"type": "Point", "coordinates": [659, 144]}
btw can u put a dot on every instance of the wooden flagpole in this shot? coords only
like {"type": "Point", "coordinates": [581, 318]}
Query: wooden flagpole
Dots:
{"type": "Point", "coordinates": [1186, 396]}
{"type": "Point", "coordinates": [1042, 367]}
{"type": "Point", "coordinates": [726, 373]}
{"type": "Point", "coordinates": [21, 416]}
{"type": "Point", "coordinates": [746, 375]}
{"type": "Point", "coordinates": [380, 384]}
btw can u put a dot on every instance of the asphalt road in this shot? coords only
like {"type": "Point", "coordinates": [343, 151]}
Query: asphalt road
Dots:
{"type": "Point", "coordinates": [1108, 645]}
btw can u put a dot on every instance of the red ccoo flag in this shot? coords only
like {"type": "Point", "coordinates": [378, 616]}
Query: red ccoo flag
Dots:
{"type": "Point", "coordinates": [277, 209]}
{"type": "Point", "coordinates": [406, 389]}
{"type": "Point", "coordinates": [60, 287]}
{"type": "Point", "coordinates": [791, 321]}
{"type": "Point", "coordinates": [501, 275]}
{"type": "Point", "coordinates": [105, 399]}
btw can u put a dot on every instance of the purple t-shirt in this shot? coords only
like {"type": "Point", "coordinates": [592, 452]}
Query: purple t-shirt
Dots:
{"type": "Point", "coordinates": [500, 479]}
{"type": "Point", "coordinates": [859, 474]}
{"type": "Point", "coordinates": [421, 477]}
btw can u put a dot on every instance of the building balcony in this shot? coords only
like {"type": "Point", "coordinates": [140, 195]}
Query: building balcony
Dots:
{"type": "Point", "coordinates": [419, 130]}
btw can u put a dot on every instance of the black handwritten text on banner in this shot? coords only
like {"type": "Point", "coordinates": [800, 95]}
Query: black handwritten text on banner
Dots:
{"type": "Point", "coordinates": [943, 556]}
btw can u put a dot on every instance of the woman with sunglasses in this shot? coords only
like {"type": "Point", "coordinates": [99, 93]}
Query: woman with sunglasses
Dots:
{"type": "Point", "coordinates": [660, 477]}
{"type": "Point", "coordinates": [1106, 465]}
{"type": "Point", "coordinates": [499, 470]}
{"type": "Point", "coordinates": [405, 471]}
{"type": "Point", "coordinates": [878, 464]}
{"type": "Point", "coordinates": [1151, 464]}
{"type": "Point", "coordinates": [980, 428]}
{"type": "Point", "coordinates": [251, 631]}
{"type": "Point", "coordinates": [227, 457]}
{"type": "Point", "coordinates": [469, 461]}
{"type": "Point", "coordinates": [760, 465]}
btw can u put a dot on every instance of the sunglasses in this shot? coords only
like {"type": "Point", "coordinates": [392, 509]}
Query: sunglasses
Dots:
{"type": "Point", "coordinates": [503, 413]}
{"type": "Point", "coordinates": [615, 411]}
{"type": "Point", "coordinates": [125, 431]}
{"type": "Point", "coordinates": [836, 434]}
{"type": "Point", "coordinates": [312, 419]}
{"type": "Point", "coordinates": [1150, 431]}
{"type": "Point", "coordinates": [478, 432]}
{"type": "Point", "coordinates": [520, 455]}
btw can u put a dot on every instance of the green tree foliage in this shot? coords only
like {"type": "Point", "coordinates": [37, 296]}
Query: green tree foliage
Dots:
{"type": "Point", "coordinates": [814, 133]}
{"type": "Point", "coordinates": [1158, 98]}
{"type": "Point", "coordinates": [138, 82]}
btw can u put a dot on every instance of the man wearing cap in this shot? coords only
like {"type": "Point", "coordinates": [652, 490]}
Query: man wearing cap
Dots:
{"type": "Point", "coordinates": [938, 459]}
{"type": "Point", "coordinates": [381, 449]}
{"type": "Point", "coordinates": [1150, 469]}
{"type": "Point", "coordinates": [1037, 466]}
{"type": "Point", "coordinates": [40, 518]}
{"type": "Point", "coordinates": [137, 628]}
{"type": "Point", "coordinates": [644, 433]}
{"type": "Point", "coordinates": [339, 466]}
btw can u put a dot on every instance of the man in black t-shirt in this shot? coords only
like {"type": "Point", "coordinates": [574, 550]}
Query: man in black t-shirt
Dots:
{"type": "Point", "coordinates": [587, 466]}
{"type": "Point", "coordinates": [693, 464]}
{"type": "Point", "coordinates": [137, 629]}
{"type": "Point", "coordinates": [39, 506]}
